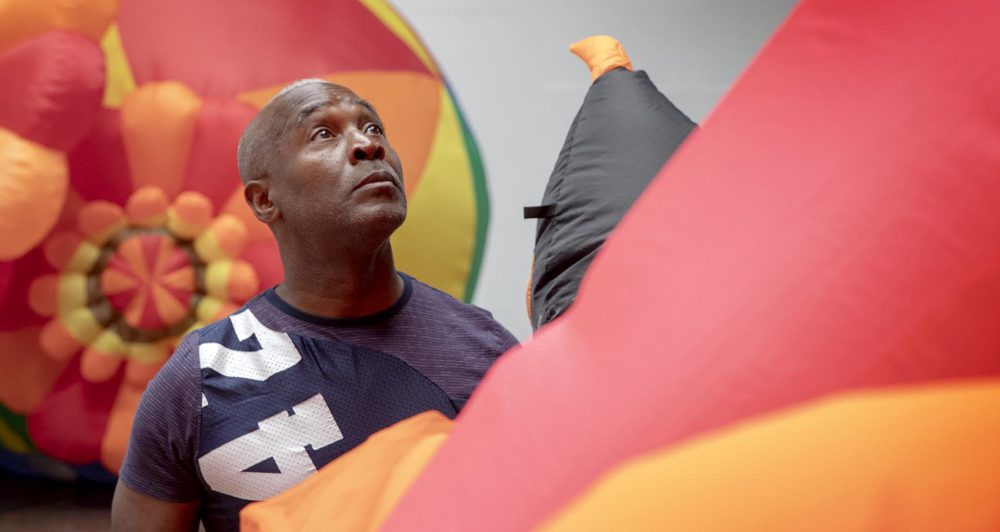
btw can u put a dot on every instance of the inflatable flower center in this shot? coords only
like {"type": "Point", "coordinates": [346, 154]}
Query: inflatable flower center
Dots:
{"type": "Point", "coordinates": [133, 281]}
{"type": "Point", "coordinates": [149, 281]}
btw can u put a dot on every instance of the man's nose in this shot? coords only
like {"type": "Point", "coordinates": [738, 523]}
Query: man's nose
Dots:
{"type": "Point", "coordinates": [366, 148]}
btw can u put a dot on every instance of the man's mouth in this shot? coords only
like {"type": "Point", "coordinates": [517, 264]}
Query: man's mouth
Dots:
{"type": "Point", "coordinates": [378, 178]}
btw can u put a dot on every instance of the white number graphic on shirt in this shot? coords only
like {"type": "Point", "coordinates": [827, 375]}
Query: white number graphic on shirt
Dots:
{"type": "Point", "coordinates": [281, 437]}
{"type": "Point", "coordinates": [276, 354]}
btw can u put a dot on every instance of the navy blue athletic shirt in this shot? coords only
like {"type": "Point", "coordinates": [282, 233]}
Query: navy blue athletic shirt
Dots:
{"type": "Point", "coordinates": [249, 406]}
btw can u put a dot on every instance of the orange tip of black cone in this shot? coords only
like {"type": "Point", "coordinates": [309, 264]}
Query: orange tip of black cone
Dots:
{"type": "Point", "coordinates": [601, 53]}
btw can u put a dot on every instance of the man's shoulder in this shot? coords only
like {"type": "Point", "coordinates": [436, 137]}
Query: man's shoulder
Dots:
{"type": "Point", "coordinates": [434, 305]}
{"type": "Point", "coordinates": [186, 350]}
{"type": "Point", "coordinates": [425, 294]}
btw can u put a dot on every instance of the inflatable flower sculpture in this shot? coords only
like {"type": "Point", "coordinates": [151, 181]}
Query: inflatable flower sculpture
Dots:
{"type": "Point", "coordinates": [121, 209]}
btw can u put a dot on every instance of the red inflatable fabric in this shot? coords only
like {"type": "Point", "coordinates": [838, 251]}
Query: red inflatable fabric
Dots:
{"type": "Point", "coordinates": [833, 227]}
{"type": "Point", "coordinates": [52, 88]}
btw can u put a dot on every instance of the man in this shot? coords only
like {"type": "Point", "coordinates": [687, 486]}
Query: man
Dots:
{"type": "Point", "coordinates": [345, 346]}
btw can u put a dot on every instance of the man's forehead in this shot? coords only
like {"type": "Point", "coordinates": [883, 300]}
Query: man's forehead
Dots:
{"type": "Point", "coordinates": [309, 108]}
{"type": "Point", "coordinates": [309, 99]}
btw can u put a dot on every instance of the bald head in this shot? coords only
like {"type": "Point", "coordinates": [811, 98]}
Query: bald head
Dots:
{"type": "Point", "coordinates": [260, 145]}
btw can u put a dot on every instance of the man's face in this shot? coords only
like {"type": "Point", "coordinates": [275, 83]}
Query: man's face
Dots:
{"type": "Point", "coordinates": [337, 172]}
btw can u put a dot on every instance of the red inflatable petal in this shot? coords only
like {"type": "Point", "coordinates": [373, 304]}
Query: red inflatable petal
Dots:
{"type": "Point", "coordinates": [52, 88]}
{"type": "Point", "coordinates": [302, 38]}
{"type": "Point", "coordinates": [78, 406]}
{"type": "Point", "coordinates": [98, 167]}
{"type": "Point", "coordinates": [15, 312]}
{"type": "Point", "coordinates": [6, 273]}
{"type": "Point", "coordinates": [834, 226]}
{"type": "Point", "coordinates": [211, 165]}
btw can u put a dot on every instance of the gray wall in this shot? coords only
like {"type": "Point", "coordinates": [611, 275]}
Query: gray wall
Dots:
{"type": "Point", "coordinates": [519, 87]}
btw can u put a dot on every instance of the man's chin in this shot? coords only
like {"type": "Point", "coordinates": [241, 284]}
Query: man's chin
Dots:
{"type": "Point", "coordinates": [383, 218]}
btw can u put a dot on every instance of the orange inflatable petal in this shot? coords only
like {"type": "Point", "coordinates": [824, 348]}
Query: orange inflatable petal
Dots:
{"type": "Point", "coordinates": [167, 306]}
{"type": "Point", "coordinates": [409, 466]}
{"type": "Point", "coordinates": [224, 239]}
{"type": "Point", "coordinates": [134, 309]}
{"type": "Point", "coordinates": [28, 374]}
{"type": "Point", "coordinates": [157, 123]}
{"type": "Point", "coordinates": [356, 491]}
{"type": "Point", "coordinates": [163, 261]}
{"type": "Point", "coordinates": [237, 206]}
{"type": "Point", "coordinates": [33, 183]}
{"type": "Point", "coordinates": [134, 257]}
{"type": "Point", "coordinates": [243, 282]}
{"type": "Point", "coordinates": [43, 295]}
{"type": "Point", "coordinates": [189, 215]}
{"type": "Point", "coordinates": [182, 279]}
{"type": "Point", "coordinates": [57, 341]}
{"type": "Point", "coordinates": [115, 439]}
{"type": "Point", "coordinates": [114, 282]}
{"type": "Point", "coordinates": [139, 373]}
{"type": "Point", "coordinates": [98, 366]}
{"type": "Point", "coordinates": [601, 53]}
{"type": "Point", "coordinates": [920, 459]}
{"type": "Point", "coordinates": [147, 207]}
{"type": "Point", "coordinates": [22, 19]}
{"type": "Point", "coordinates": [98, 220]}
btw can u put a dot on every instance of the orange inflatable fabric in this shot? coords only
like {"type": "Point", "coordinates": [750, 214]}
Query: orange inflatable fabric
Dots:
{"type": "Point", "coordinates": [919, 459]}
{"type": "Point", "coordinates": [914, 459]}
{"type": "Point", "coordinates": [831, 227]}
{"type": "Point", "coordinates": [356, 491]}
{"type": "Point", "coordinates": [794, 327]}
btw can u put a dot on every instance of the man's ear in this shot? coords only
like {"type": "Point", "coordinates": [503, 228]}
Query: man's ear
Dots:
{"type": "Point", "coordinates": [257, 194]}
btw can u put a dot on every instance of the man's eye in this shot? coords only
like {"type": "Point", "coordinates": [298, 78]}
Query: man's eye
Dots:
{"type": "Point", "coordinates": [322, 133]}
{"type": "Point", "coordinates": [374, 129]}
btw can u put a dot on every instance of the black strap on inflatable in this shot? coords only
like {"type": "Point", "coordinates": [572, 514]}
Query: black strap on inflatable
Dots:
{"type": "Point", "coordinates": [541, 211]}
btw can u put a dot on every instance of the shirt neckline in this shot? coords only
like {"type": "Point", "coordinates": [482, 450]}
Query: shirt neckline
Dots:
{"type": "Point", "coordinates": [272, 297]}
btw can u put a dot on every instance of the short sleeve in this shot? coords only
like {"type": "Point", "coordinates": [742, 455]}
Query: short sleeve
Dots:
{"type": "Point", "coordinates": [507, 339]}
{"type": "Point", "coordinates": [163, 447]}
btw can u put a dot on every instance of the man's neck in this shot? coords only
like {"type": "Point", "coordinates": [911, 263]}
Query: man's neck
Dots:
{"type": "Point", "coordinates": [344, 284]}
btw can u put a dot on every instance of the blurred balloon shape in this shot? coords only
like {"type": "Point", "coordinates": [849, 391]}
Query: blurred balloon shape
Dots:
{"type": "Point", "coordinates": [122, 210]}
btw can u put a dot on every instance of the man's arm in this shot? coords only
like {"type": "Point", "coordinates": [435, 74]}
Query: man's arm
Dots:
{"type": "Point", "coordinates": [132, 510]}
{"type": "Point", "coordinates": [158, 487]}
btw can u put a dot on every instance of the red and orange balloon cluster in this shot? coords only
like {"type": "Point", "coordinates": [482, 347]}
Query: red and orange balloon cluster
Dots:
{"type": "Point", "coordinates": [121, 208]}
